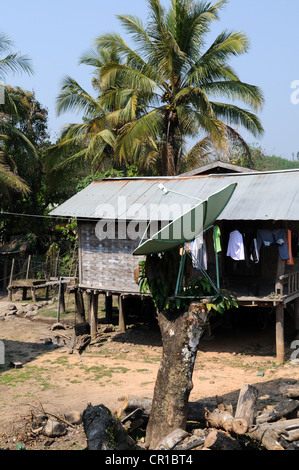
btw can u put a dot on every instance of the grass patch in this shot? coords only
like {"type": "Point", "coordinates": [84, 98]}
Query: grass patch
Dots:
{"type": "Point", "coordinates": [27, 374]}
{"type": "Point", "coordinates": [100, 372]}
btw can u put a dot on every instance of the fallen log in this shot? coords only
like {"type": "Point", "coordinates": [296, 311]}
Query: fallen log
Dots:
{"type": "Point", "coordinates": [196, 410]}
{"type": "Point", "coordinates": [192, 444]}
{"type": "Point", "coordinates": [283, 409]}
{"type": "Point", "coordinates": [170, 441]}
{"type": "Point", "coordinates": [290, 391]}
{"type": "Point", "coordinates": [267, 437]}
{"type": "Point", "coordinates": [246, 406]}
{"type": "Point", "coordinates": [220, 440]}
{"type": "Point", "coordinates": [268, 434]}
{"type": "Point", "coordinates": [224, 420]}
{"type": "Point", "coordinates": [292, 435]}
{"type": "Point", "coordinates": [132, 403]}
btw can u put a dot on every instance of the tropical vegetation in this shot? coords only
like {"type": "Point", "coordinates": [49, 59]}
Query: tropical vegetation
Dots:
{"type": "Point", "coordinates": [155, 98]}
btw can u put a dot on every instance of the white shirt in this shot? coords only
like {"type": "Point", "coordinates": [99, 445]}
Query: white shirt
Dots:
{"type": "Point", "coordinates": [235, 248]}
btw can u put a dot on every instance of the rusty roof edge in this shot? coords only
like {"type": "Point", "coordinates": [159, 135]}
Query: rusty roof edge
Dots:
{"type": "Point", "coordinates": [212, 175]}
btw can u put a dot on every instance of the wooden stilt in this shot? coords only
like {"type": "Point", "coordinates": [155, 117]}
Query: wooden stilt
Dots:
{"type": "Point", "coordinates": [280, 350]}
{"type": "Point", "coordinates": [80, 306]}
{"type": "Point", "coordinates": [61, 299]}
{"type": "Point", "coordinates": [108, 307]}
{"type": "Point", "coordinates": [94, 314]}
{"type": "Point", "coordinates": [121, 314]}
{"type": "Point", "coordinates": [88, 295]}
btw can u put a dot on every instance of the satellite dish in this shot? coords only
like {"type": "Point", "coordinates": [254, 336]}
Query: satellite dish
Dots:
{"type": "Point", "coordinates": [189, 226]}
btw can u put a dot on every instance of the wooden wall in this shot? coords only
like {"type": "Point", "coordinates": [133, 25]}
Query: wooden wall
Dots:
{"type": "Point", "coordinates": [107, 264]}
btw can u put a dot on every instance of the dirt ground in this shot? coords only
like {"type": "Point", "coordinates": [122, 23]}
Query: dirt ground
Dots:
{"type": "Point", "coordinates": [121, 364]}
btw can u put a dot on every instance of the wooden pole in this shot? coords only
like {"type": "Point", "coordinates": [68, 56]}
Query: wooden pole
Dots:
{"type": "Point", "coordinates": [28, 266]}
{"type": "Point", "coordinates": [94, 314]}
{"type": "Point", "coordinates": [80, 306]}
{"type": "Point", "coordinates": [280, 350]}
{"type": "Point", "coordinates": [10, 280]}
{"type": "Point", "coordinates": [89, 298]}
{"type": "Point", "coordinates": [121, 316]}
{"type": "Point", "coordinates": [108, 307]}
{"type": "Point", "coordinates": [61, 300]}
{"type": "Point", "coordinates": [11, 271]}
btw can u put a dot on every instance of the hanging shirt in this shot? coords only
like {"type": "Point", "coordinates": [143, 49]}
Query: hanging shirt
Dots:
{"type": "Point", "coordinates": [254, 253]}
{"type": "Point", "coordinates": [199, 253]}
{"type": "Point", "coordinates": [235, 248]}
{"type": "Point", "coordinates": [217, 235]}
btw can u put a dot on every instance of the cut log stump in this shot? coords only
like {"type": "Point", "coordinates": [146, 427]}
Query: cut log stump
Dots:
{"type": "Point", "coordinates": [224, 420]}
{"type": "Point", "coordinates": [246, 406]}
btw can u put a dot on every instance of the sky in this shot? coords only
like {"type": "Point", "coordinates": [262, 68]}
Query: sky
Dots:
{"type": "Point", "coordinates": [55, 34]}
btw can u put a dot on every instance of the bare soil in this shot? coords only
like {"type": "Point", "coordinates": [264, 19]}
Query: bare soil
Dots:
{"type": "Point", "coordinates": [122, 364]}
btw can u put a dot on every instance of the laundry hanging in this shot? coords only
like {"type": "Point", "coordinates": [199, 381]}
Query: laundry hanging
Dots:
{"type": "Point", "coordinates": [276, 237]}
{"type": "Point", "coordinates": [235, 248]}
{"type": "Point", "coordinates": [199, 253]}
{"type": "Point", "coordinates": [290, 261]}
{"type": "Point", "coordinates": [217, 239]}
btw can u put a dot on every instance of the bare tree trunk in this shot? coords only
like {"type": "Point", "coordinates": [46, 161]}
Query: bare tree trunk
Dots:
{"type": "Point", "coordinates": [180, 337]}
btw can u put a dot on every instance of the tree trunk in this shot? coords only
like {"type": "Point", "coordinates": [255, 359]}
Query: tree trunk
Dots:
{"type": "Point", "coordinates": [180, 337]}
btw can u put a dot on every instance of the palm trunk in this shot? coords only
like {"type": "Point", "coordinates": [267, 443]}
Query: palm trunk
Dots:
{"type": "Point", "coordinates": [167, 164]}
{"type": "Point", "coordinates": [180, 337]}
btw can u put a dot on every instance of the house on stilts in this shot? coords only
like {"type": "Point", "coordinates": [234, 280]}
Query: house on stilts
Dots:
{"type": "Point", "coordinates": [258, 228]}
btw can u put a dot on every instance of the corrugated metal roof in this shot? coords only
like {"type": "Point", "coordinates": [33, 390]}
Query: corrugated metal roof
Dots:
{"type": "Point", "coordinates": [258, 196]}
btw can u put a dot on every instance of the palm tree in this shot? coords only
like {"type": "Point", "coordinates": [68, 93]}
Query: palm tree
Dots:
{"type": "Point", "coordinates": [12, 107]}
{"type": "Point", "coordinates": [12, 62]}
{"type": "Point", "coordinates": [93, 139]}
{"type": "Point", "coordinates": [174, 80]}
